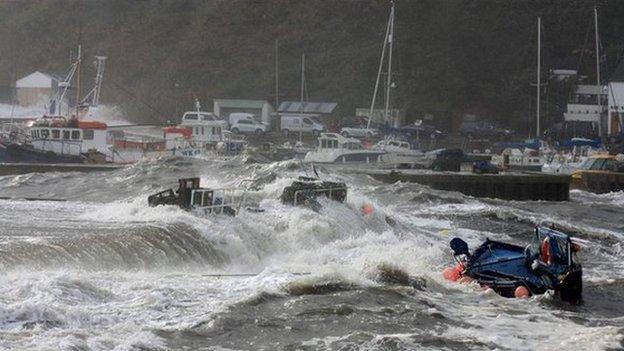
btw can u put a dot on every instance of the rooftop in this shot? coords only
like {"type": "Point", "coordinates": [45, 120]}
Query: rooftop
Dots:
{"type": "Point", "coordinates": [307, 107]}
{"type": "Point", "coordinates": [240, 103]}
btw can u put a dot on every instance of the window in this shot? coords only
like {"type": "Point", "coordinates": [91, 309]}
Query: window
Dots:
{"type": "Point", "coordinates": [75, 134]}
{"type": "Point", "coordinates": [202, 130]}
{"type": "Point", "coordinates": [56, 134]}
{"type": "Point", "coordinates": [597, 165]}
{"type": "Point", "coordinates": [213, 130]}
{"type": "Point", "coordinates": [45, 133]}
{"type": "Point", "coordinates": [587, 164]}
{"type": "Point", "coordinates": [307, 121]}
{"type": "Point", "coordinates": [207, 198]}
{"type": "Point", "coordinates": [197, 198]}
{"type": "Point", "coordinates": [219, 130]}
{"type": "Point", "coordinates": [323, 144]}
{"type": "Point", "coordinates": [87, 134]}
{"type": "Point", "coordinates": [66, 135]}
{"type": "Point", "coordinates": [609, 165]}
{"type": "Point", "coordinates": [191, 116]}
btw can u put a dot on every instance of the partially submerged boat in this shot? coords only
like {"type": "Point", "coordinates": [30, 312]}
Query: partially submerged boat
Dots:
{"type": "Point", "coordinates": [547, 264]}
{"type": "Point", "coordinates": [306, 190]}
{"type": "Point", "coordinates": [191, 197]}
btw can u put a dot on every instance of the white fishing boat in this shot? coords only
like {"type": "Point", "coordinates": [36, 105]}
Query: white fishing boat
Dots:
{"type": "Point", "coordinates": [335, 148]}
{"type": "Point", "coordinates": [518, 160]}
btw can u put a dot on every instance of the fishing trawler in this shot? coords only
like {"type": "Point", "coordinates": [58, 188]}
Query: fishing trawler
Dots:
{"type": "Point", "coordinates": [62, 138]}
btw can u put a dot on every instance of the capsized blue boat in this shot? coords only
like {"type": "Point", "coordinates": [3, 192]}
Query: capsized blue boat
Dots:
{"type": "Point", "coordinates": [548, 263]}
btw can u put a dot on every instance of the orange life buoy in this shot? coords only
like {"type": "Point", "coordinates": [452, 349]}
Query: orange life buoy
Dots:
{"type": "Point", "coordinates": [545, 252]}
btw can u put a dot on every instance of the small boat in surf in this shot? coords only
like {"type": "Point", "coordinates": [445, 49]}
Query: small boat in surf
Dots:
{"type": "Point", "coordinates": [192, 197]}
{"type": "Point", "coordinates": [548, 264]}
{"type": "Point", "coordinates": [306, 190]}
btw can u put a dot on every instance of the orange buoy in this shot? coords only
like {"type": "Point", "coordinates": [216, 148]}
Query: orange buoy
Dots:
{"type": "Point", "coordinates": [522, 292]}
{"type": "Point", "coordinates": [367, 209]}
{"type": "Point", "coordinates": [450, 273]}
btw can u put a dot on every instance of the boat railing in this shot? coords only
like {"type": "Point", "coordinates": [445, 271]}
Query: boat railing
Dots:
{"type": "Point", "coordinates": [320, 190]}
{"type": "Point", "coordinates": [217, 201]}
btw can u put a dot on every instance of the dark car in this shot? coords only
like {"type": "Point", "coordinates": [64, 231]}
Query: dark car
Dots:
{"type": "Point", "coordinates": [422, 132]}
{"type": "Point", "coordinates": [449, 160]}
{"type": "Point", "coordinates": [483, 129]}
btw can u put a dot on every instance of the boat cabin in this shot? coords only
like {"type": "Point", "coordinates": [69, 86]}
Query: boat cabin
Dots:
{"type": "Point", "coordinates": [190, 196]}
{"type": "Point", "coordinates": [332, 141]}
{"type": "Point", "coordinates": [68, 136]}
{"type": "Point", "coordinates": [205, 127]}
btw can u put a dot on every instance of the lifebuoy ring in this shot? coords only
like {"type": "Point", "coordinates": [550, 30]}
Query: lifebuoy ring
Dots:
{"type": "Point", "coordinates": [545, 251]}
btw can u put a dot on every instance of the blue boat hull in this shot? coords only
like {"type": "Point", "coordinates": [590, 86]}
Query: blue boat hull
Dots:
{"type": "Point", "coordinates": [506, 267]}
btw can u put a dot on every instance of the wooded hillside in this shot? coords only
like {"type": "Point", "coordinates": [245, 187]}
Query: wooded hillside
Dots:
{"type": "Point", "coordinates": [451, 56]}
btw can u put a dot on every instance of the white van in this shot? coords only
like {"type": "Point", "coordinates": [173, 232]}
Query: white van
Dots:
{"type": "Point", "coordinates": [237, 116]}
{"type": "Point", "coordinates": [301, 124]}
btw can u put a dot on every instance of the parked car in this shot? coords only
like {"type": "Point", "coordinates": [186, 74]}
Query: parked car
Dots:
{"type": "Point", "coordinates": [301, 124]}
{"type": "Point", "coordinates": [422, 132]}
{"type": "Point", "coordinates": [359, 132]}
{"type": "Point", "coordinates": [249, 126]}
{"type": "Point", "coordinates": [237, 116]}
{"type": "Point", "coordinates": [448, 160]}
{"type": "Point", "coordinates": [483, 129]}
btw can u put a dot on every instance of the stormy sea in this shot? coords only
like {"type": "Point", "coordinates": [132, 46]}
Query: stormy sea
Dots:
{"type": "Point", "coordinates": [104, 271]}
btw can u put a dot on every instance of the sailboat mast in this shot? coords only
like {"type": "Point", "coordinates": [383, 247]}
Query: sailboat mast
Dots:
{"type": "Point", "coordinates": [302, 88]}
{"type": "Point", "coordinates": [78, 81]}
{"type": "Point", "coordinates": [539, 68]}
{"type": "Point", "coordinates": [598, 72]}
{"type": "Point", "coordinates": [389, 80]}
{"type": "Point", "coordinates": [381, 59]}
{"type": "Point", "coordinates": [277, 73]}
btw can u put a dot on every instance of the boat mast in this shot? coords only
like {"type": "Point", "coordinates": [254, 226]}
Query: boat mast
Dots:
{"type": "Point", "coordinates": [381, 59]}
{"type": "Point", "coordinates": [302, 89]}
{"type": "Point", "coordinates": [599, 89]}
{"type": "Point", "coordinates": [276, 73]}
{"type": "Point", "coordinates": [539, 67]}
{"type": "Point", "coordinates": [389, 80]}
{"type": "Point", "coordinates": [99, 77]}
{"type": "Point", "coordinates": [78, 81]}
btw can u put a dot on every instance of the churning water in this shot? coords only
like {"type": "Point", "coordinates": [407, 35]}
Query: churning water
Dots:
{"type": "Point", "coordinates": [104, 271]}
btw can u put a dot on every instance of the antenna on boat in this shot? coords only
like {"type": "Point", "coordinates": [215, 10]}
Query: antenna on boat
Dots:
{"type": "Point", "coordinates": [94, 94]}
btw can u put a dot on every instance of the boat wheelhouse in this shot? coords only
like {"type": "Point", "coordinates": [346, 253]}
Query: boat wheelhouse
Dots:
{"type": "Point", "coordinates": [335, 148]}
{"type": "Point", "coordinates": [68, 136]}
{"type": "Point", "coordinates": [206, 128]}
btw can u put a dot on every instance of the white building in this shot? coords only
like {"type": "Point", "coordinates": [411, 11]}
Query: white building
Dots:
{"type": "Point", "coordinates": [36, 89]}
{"type": "Point", "coordinates": [261, 109]}
{"type": "Point", "coordinates": [583, 106]}
{"type": "Point", "coordinates": [615, 123]}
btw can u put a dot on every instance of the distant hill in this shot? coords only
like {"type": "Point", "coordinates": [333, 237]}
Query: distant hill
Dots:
{"type": "Point", "coordinates": [451, 56]}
